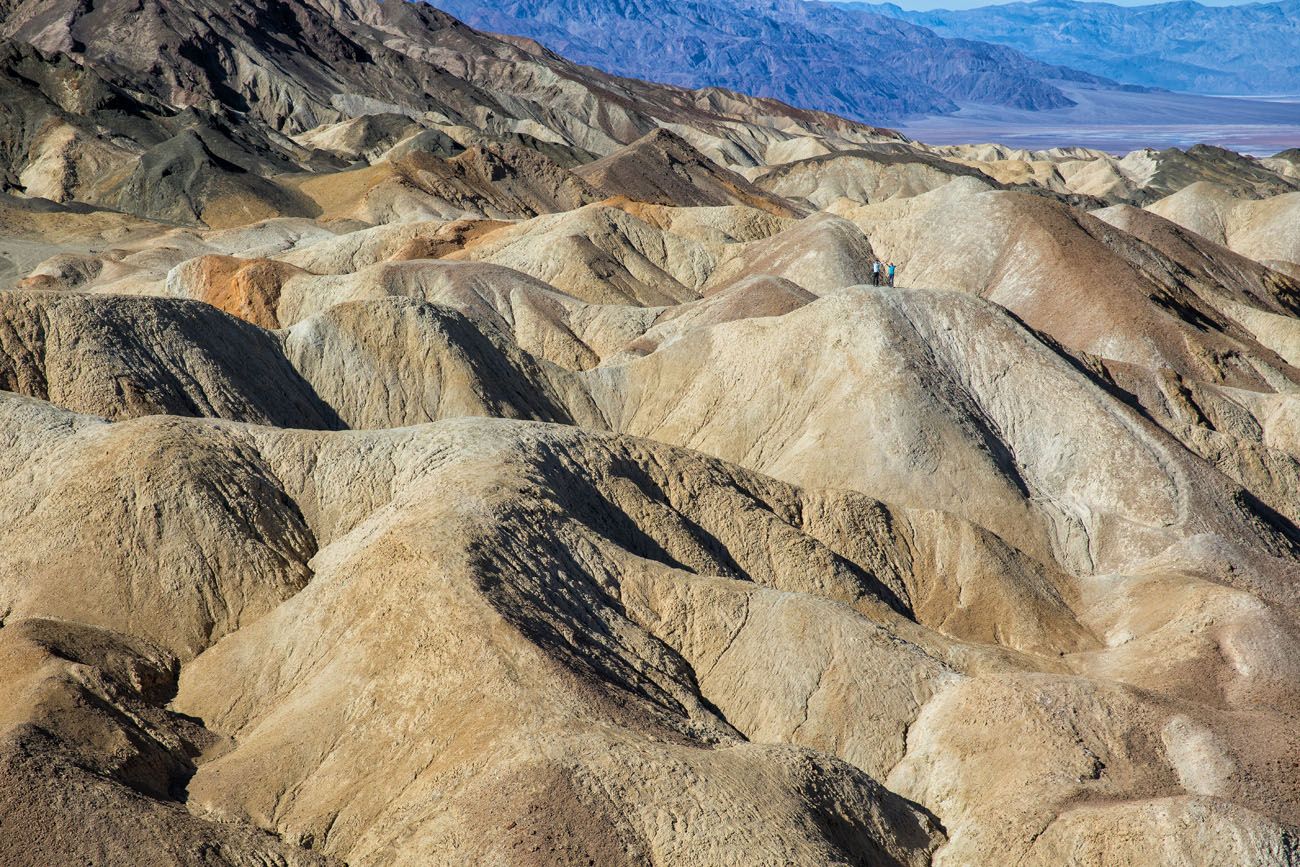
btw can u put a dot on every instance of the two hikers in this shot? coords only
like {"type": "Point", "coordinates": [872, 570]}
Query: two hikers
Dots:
{"type": "Point", "coordinates": [880, 269]}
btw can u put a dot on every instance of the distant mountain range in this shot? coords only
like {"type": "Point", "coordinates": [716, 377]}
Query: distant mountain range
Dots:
{"type": "Point", "coordinates": [849, 61]}
{"type": "Point", "coordinates": [1251, 49]}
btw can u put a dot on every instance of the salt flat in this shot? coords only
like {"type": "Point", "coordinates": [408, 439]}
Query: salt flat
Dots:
{"type": "Point", "coordinates": [1119, 122]}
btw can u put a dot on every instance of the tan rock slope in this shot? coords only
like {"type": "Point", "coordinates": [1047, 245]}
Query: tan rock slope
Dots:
{"type": "Point", "coordinates": [418, 449]}
{"type": "Point", "coordinates": [1262, 229]}
{"type": "Point", "coordinates": [862, 176]}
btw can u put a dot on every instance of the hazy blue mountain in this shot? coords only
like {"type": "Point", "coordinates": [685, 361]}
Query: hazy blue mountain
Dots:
{"type": "Point", "coordinates": [1252, 49]}
{"type": "Point", "coordinates": [815, 55]}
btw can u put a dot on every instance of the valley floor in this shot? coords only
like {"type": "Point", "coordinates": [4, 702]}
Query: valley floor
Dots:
{"type": "Point", "coordinates": [1118, 122]}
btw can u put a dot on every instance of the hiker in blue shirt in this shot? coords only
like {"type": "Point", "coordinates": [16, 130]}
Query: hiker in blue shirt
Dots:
{"type": "Point", "coordinates": [892, 267]}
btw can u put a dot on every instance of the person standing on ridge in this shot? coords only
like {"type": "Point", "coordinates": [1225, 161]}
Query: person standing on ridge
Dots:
{"type": "Point", "coordinates": [892, 268]}
{"type": "Point", "coordinates": [875, 272]}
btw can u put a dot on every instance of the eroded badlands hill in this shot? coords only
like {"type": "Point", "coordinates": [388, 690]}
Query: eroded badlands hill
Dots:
{"type": "Point", "coordinates": [516, 466]}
